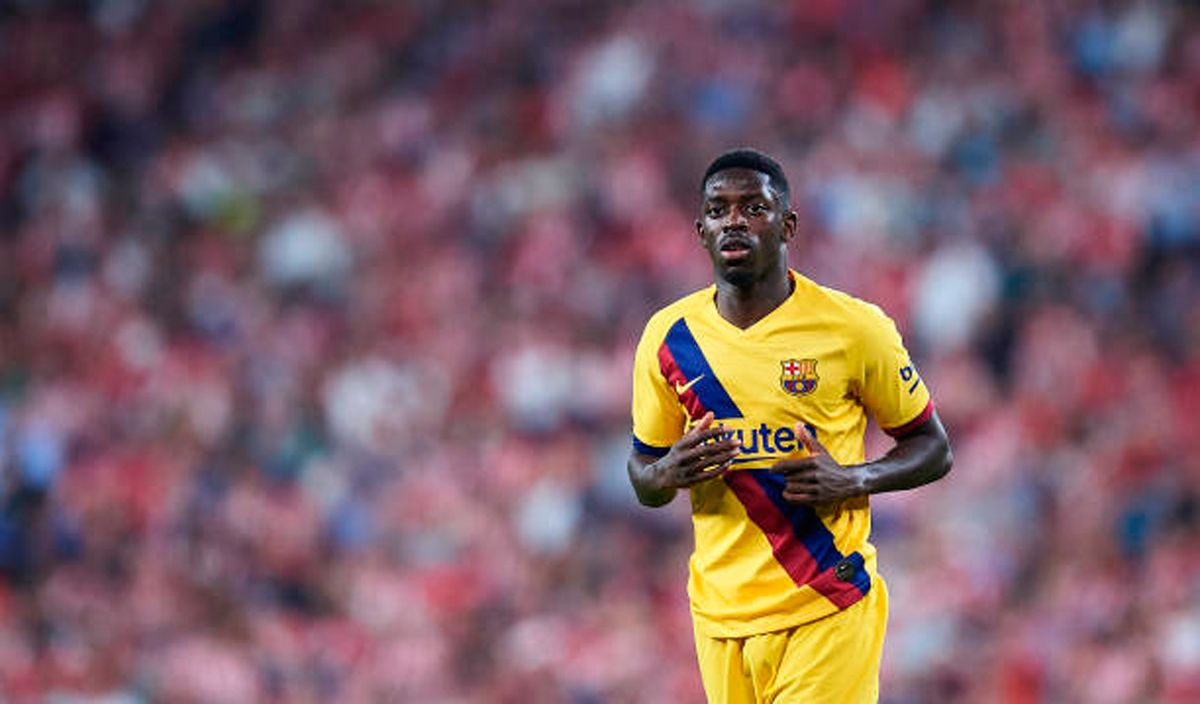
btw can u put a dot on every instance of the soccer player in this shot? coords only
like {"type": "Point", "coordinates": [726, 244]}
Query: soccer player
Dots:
{"type": "Point", "coordinates": [753, 394]}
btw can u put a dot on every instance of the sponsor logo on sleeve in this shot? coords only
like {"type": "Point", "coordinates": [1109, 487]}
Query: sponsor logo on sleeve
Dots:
{"type": "Point", "coordinates": [909, 377]}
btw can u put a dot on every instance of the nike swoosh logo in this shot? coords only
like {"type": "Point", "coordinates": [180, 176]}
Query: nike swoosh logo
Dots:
{"type": "Point", "coordinates": [681, 389]}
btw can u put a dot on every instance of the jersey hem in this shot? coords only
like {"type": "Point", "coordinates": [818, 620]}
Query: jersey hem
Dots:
{"type": "Point", "coordinates": [816, 609]}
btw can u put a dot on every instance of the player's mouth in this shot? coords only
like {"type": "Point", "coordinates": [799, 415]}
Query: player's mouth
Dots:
{"type": "Point", "coordinates": [733, 251]}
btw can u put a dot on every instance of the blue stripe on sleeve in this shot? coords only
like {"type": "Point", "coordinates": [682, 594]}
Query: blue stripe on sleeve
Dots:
{"type": "Point", "coordinates": [651, 450]}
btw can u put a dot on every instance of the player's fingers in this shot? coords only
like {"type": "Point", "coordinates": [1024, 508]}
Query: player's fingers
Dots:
{"type": "Point", "coordinates": [709, 455]}
{"type": "Point", "coordinates": [789, 467]}
{"type": "Point", "coordinates": [802, 487]}
{"type": "Point", "coordinates": [696, 438]}
{"type": "Point", "coordinates": [707, 474]}
{"type": "Point", "coordinates": [724, 456]}
{"type": "Point", "coordinates": [701, 450]}
{"type": "Point", "coordinates": [708, 461]}
{"type": "Point", "coordinates": [716, 432]}
{"type": "Point", "coordinates": [800, 497]}
{"type": "Point", "coordinates": [702, 424]}
{"type": "Point", "coordinates": [809, 440]}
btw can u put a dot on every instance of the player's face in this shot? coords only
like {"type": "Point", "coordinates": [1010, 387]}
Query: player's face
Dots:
{"type": "Point", "coordinates": [744, 226]}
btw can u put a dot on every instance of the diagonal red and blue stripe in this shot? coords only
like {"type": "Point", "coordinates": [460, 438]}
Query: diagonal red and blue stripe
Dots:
{"type": "Point", "coordinates": [800, 542]}
{"type": "Point", "coordinates": [682, 362]}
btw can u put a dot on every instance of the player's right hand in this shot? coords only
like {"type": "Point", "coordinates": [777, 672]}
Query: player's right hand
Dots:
{"type": "Point", "coordinates": [705, 452]}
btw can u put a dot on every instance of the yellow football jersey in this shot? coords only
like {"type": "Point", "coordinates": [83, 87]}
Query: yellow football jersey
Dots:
{"type": "Point", "coordinates": [823, 358]}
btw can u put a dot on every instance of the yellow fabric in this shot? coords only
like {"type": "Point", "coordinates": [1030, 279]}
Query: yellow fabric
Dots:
{"type": "Point", "coordinates": [737, 585]}
{"type": "Point", "coordinates": [831, 661]}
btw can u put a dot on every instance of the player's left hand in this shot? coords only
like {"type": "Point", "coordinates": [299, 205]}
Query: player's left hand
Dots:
{"type": "Point", "coordinates": [817, 478]}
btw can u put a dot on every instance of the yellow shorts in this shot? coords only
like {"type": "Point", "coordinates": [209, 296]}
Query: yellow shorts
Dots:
{"type": "Point", "coordinates": [833, 660]}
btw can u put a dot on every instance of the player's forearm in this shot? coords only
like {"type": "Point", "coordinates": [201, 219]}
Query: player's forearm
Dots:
{"type": "Point", "coordinates": [644, 479]}
{"type": "Point", "coordinates": [917, 459]}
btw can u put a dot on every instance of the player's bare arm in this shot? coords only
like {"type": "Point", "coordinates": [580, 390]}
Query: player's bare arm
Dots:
{"type": "Point", "coordinates": [705, 452]}
{"type": "Point", "coordinates": [919, 457]}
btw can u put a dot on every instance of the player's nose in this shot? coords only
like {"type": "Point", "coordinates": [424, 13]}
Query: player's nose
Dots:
{"type": "Point", "coordinates": [735, 220]}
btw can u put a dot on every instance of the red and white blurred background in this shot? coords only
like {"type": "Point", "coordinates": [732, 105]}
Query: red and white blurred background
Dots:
{"type": "Point", "coordinates": [316, 322]}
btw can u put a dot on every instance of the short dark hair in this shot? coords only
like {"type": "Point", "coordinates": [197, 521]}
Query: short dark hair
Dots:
{"type": "Point", "coordinates": [753, 160]}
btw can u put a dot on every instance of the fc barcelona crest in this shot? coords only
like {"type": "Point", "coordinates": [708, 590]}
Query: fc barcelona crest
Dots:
{"type": "Point", "coordinates": [799, 376]}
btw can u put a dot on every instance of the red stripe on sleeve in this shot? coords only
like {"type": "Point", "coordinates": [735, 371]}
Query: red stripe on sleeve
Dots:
{"type": "Point", "coordinates": [912, 424]}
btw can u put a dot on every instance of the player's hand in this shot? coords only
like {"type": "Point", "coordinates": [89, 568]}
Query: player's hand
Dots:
{"type": "Point", "coordinates": [703, 453]}
{"type": "Point", "coordinates": [816, 478]}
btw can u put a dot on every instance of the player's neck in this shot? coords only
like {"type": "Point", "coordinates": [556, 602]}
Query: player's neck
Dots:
{"type": "Point", "coordinates": [745, 305]}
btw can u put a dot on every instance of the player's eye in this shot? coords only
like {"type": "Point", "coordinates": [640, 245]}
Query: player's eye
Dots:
{"type": "Point", "coordinates": [714, 211]}
{"type": "Point", "coordinates": [756, 209]}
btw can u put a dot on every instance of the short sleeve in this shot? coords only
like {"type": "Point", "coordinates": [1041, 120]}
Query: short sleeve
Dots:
{"type": "Point", "coordinates": [658, 417]}
{"type": "Point", "coordinates": [890, 388]}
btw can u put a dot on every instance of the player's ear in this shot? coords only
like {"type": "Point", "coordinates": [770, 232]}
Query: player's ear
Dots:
{"type": "Point", "coordinates": [791, 225]}
{"type": "Point", "coordinates": [700, 232]}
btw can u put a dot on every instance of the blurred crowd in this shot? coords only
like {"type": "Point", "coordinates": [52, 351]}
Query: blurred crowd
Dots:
{"type": "Point", "coordinates": [317, 322]}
